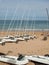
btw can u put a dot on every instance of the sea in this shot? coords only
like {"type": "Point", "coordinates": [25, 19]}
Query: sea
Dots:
{"type": "Point", "coordinates": [24, 25]}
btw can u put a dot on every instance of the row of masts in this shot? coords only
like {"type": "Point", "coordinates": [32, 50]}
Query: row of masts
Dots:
{"type": "Point", "coordinates": [10, 29]}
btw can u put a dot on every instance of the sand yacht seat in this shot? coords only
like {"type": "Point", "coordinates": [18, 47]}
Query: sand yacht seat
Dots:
{"type": "Point", "coordinates": [14, 60]}
{"type": "Point", "coordinates": [20, 57]}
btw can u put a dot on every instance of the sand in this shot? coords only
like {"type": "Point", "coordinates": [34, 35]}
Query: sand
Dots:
{"type": "Point", "coordinates": [31, 47]}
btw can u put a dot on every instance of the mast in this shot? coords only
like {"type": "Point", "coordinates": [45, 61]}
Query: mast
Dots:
{"type": "Point", "coordinates": [48, 17]}
{"type": "Point", "coordinates": [47, 13]}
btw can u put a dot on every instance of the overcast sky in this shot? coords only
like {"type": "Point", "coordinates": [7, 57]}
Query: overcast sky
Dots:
{"type": "Point", "coordinates": [24, 9]}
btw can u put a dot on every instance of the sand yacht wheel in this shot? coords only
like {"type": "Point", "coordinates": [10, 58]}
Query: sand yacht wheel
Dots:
{"type": "Point", "coordinates": [3, 44]}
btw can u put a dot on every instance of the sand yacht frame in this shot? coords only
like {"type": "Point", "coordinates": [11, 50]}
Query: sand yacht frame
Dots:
{"type": "Point", "coordinates": [22, 60]}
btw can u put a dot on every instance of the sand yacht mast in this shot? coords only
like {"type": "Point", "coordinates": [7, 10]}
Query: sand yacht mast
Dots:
{"type": "Point", "coordinates": [47, 16]}
{"type": "Point", "coordinates": [47, 13]}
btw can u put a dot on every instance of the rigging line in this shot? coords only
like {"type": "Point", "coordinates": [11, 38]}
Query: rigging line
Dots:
{"type": "Point", "coordinates": [17, 25]}
{"type": "Point", "coordinates": [15, 19]}
{"type": "Point", "coordinates": [21, 20]}
{"type": "Point", "coordinates": [5, 20]}
{"type": "Point", "coordinates": [28, 19]}
{"type": "Point", "coordinates": [10, 23]}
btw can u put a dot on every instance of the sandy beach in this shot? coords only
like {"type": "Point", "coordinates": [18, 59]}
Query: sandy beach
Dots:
{"type": "Point", "coordinates": [31, 47]}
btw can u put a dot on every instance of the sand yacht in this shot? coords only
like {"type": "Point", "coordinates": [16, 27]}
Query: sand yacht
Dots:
{"type": "Point", "coordinates": [12, 39]}
{"type": "Point", "coordinates": [27, 37]}
{"type": "Point", "coordinates": [22, 60]}
{"type": "Point", "coordinates": [19, 38]}
{"type": "Point", "coordinates": [3, 40]}
{"type": "Point", "coordinates": [19, 60]}
{"type": "Point", "coordinates": [39, 59]}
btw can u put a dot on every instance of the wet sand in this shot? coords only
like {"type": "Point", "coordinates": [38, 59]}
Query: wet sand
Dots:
{"type": "Point", "coordinates": [31, 47]}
